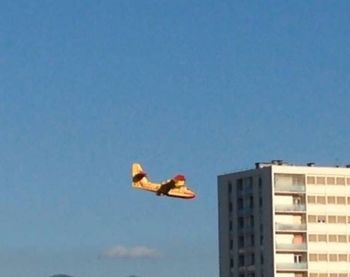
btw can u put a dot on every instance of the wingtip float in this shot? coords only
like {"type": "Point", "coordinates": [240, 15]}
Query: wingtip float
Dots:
{"type": "Point", "coordinates": [175, 187]}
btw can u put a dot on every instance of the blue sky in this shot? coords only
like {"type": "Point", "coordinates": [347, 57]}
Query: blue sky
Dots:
{"type": "Point", "coordinates": [193, 87]}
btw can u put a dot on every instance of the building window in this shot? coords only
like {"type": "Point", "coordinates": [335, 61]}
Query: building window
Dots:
{"type": "Point", "coordinates": [331, 199]}
{"type": "Point", "coordinates": [341, 200]}
{"type": "Point", "coordinates": [322, 238]}
{"type": "Point", "coordinates": [312, 218]}
{"type": "Point", "coordinates": [251, 221]}
{"type": "Point", "coordinates": [241, 241]}
{"type": "Point", "coordinates": [261, 201]}
{"type": "Point", "coordinates": [312, 237]}
{"type": "Point", "coordinates": [332, 219]}
{"type": "Point", "coordinates": [241, 260]}
{"type": "Point", "coordinates": [311, 199]}
{"type": "Point", "coordinates": [322, 257]}
{"type": "Point", "coordinates": [321, 219]}
{"type": "Point", "coordinates": [311, 180]}
{"type": "Point", "coordinates": [253, 259]}
{"type": "Point", "coordinates": [341, 219]}
{"type": "Point", "coordinates": [333, 258]}
{"type": "Point", "coordinates": [240, 203]}
{"type": "Point", "coordinates": [342, 238]}
{"type": "Point", "coordinates": [252, 240]}
{"type": "Point", "coordinates": [340, 181]}
{"type": "Point", "coordinates": [239, 183]}
{"type": "Point", "coordinates": [313, 257]}
{"type": "Point", "coordinates": [343, 258]}
{"type": "Point", "coordinates": [251, 202]}
{"type": "Point", "coordinates": [321, 200]}
{"type": "Point", "coordinates": [330, 180]}
{"type": "Point", "coordinates": [321, 180]}
{"type": "Point", "coordinates": [230, 207]}
{"type": "Point", "coordinates": [240, 222]}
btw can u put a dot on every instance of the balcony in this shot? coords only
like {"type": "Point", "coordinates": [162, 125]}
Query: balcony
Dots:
{"type": "Point", "coordinates": [296, 208]}
{"type": "Point", "coordinates": [291, 267]}
{"type": "Point", "coordinates": [288, 189]}
{"type": "Point", "coordinates": [291, 247]}
{"type": "Point", "coordinates": [282, 227]}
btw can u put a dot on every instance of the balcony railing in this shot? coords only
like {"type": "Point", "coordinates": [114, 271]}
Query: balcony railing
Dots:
{"type": "Point", "coordinates": [290, 208]}
{"type": "Point", "coordinates": [289, 188]}
{"type": "Point", "coordinates": [292, 266]}
{"type": "Point", "coordinates": [290, 227]}
{"type": "Point", "coordinates": [290, 247]}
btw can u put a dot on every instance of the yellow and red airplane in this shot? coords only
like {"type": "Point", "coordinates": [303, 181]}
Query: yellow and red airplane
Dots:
{"type": "Point", "coordinates": [175, 187]}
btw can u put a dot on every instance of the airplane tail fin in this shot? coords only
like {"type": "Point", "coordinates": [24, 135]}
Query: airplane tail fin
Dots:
{"type": "Point", "coordinates": [138, 175]}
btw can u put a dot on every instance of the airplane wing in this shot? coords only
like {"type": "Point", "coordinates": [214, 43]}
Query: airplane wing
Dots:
{"type": "Point", "coordinates": [166, 187]}
{"type": "Point", "coordinates": [176, 182]}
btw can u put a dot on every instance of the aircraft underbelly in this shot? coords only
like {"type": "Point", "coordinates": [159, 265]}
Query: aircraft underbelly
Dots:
{"type": "Point", "coordinates": [180, 193]}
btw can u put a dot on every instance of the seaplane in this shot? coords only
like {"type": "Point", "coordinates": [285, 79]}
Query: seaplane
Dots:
{"type": "Point", "coordinates": [174, 187]}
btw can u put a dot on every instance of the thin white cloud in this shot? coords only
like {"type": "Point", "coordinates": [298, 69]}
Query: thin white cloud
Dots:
{"type": "Point", "coordinates": [136, 252]}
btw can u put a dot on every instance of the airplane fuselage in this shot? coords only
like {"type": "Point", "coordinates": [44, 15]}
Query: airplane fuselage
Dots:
{"type": "Point", "coordinates": [178, 192]}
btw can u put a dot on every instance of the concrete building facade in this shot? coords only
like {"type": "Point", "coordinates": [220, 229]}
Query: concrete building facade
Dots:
{"type": "Point", "coordinates": [285, 220]}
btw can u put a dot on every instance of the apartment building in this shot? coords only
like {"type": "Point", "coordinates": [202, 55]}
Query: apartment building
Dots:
{"type": "Point", "coordinates": [285, 220]}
